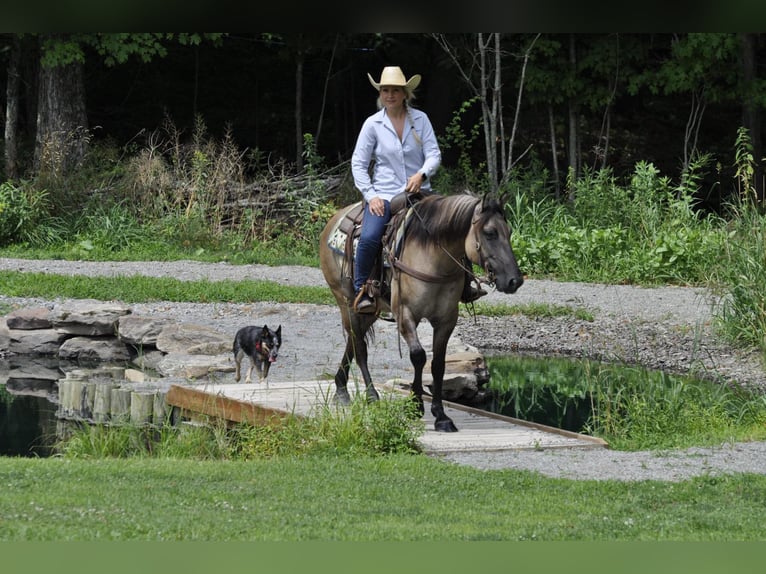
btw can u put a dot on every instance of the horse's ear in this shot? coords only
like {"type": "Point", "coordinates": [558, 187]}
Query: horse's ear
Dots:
{"type": "Point", "coordinates": [484, 200]}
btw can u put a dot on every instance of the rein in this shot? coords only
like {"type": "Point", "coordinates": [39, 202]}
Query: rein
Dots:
{"type": "Point", "coordinates": [396, 262]}
{"type": "Point", "coordinates": [424, 276]}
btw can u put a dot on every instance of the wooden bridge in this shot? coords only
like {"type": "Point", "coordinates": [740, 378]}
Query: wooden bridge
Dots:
{"type": "Point", "coordinates": [478, 430]}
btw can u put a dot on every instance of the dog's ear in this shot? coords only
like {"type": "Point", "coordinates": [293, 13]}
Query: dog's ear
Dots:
{"type": "Point", "coordinates": [279, 331]}
{"type": "Point", "coordinates": [265, 330]}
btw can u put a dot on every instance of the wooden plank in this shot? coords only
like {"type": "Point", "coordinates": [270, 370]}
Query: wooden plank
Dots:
{"type": "Point", "coordinates": [220, 406]}
{"type": "Point", "coordinates": [472, 419]}
{"type": "Point", "coordinates": [479, 431]}
{"type": "Point", "coordinates": [484, 417]}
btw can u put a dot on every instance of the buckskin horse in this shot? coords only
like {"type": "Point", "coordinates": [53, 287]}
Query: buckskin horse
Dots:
{"type": "Point", "coordinates": [426, 275]}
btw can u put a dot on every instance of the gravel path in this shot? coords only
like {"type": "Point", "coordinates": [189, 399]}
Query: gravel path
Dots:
{"type": "Point", "coordinates": [667, 328]}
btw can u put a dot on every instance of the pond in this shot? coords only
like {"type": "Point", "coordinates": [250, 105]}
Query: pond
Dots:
{"type": "Point", "coordinates": [629, 406]}
{"type": "Point", "coordinates": [615, 402]}
{"type": "Point", "coordinates": [27, 424]}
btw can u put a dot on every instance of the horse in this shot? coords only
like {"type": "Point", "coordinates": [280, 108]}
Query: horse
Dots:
{"type": "Point", "coordinates": [427, 276]}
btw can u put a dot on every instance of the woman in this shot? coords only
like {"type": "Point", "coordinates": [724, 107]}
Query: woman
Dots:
{"type": "Point", "coordinates": [399, 141]}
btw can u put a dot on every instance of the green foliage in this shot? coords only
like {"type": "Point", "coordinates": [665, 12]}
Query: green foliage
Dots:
{"type": "Point", "coordinates": [312, 160]}
{"type": "Point", "coordinates": [645, 232]}
{"type": "Point", "coordinates": [699, 61]}
{"type": "Point", "coordinates": [744, 164]}
{"type": "Point", "coordinates": [463, 138]}
{"type": "Point", "coordinates": [25, 215]}
{"type": "Point", "coordinates": [740, 279]}
{"type": "Point", "coordinates": [116, 48]}
{"type": "Point", "coordinates": [107, 229]}
{"type": "Point", "coordinates": [384, 427]}
{"type": "Point", "coordinates": [387, 426]}
{"type": "Point", "coordinates": [632, 408]}
{"type": "Point", "coordinates": [532, 310]}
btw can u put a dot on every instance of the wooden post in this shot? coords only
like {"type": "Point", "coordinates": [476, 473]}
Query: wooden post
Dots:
{"type": "Point", "coordinates": [141, 408]}
{"type": "Point", "coordinates": [160, 409]}
{"type": "Point", "coordinates": [75, 398]}
{"type": "Point", "coordinates": [102, 401]}
{"type": "Point", "coordinates": [87, 398]}
{"type": "Point", "coordinates": [65, 389]}
{"type": "Point", "coordinates": [120, 405]}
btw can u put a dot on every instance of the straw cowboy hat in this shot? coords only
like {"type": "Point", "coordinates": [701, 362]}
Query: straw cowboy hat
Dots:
{"type": "Point", "coordinates": [393, 76]}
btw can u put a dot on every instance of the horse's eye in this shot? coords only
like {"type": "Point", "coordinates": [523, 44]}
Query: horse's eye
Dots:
{"type": "Point", "coordinates": [491, 234]}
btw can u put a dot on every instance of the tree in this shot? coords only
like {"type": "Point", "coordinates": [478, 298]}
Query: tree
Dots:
{"type": "Point", "coordinates": [62, 131]}
{"type": "Point", "coordinates": [481, 69]}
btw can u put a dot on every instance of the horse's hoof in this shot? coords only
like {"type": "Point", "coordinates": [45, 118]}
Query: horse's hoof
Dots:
{"type": "Point", "coordinates": [445, 426]}
{"type": "Point", "coordinates": [342, 397]}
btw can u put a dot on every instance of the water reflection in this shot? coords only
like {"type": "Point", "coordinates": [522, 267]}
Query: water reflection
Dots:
{"type": "Point", "coordinates": [28, 404]}
{"type": "Point", "coordinates": [27, 424]}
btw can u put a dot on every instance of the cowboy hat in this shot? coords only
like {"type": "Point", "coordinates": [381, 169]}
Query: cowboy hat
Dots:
{"type": "Point", "coordinates": [393, 76]}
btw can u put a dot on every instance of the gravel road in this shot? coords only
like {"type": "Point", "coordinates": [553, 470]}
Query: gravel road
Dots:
{"type": "Point", "coordinates": [669, 328]}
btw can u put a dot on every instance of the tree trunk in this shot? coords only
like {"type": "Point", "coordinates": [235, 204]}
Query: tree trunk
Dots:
{"type": "Point", "coordinates": [62, 122]}
{"type": "Point", "coordinates": [299, 114]}
{"type": "Point", "coordinates": [12, 110]}
{"type": "Point", "coordinates": [751, 115]}
{"type": "Point", "coordinates": [554, 152]}
{"type": "Point", "coordinates": [574, 164]}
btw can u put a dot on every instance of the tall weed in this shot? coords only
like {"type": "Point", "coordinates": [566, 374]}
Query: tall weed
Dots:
{"type": "Point", "coordinates": [740, 279]}
{"type": "Point", "coordinates": [25, 215]}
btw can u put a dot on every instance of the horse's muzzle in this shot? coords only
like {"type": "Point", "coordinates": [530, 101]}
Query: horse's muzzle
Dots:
{"type": "Point", "coordinates": [512, 285]}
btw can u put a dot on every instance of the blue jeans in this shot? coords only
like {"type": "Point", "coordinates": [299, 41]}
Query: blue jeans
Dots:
{"type": "Point", "coordinates": [369, 244]}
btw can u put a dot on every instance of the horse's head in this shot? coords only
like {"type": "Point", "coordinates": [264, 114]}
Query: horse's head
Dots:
{"type": "Point", "coordinates": [488, 245]}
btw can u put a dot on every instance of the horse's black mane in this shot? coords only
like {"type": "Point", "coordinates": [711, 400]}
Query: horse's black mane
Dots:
{"type": "Point", "coordinates": [439, 216]}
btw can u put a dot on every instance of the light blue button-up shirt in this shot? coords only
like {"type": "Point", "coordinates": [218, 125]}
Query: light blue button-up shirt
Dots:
{"type": "Point", "coordinates": [395, 161]}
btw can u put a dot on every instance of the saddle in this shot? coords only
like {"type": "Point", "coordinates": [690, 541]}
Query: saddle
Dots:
{"type": "Point", "coordinates": [351, 226]}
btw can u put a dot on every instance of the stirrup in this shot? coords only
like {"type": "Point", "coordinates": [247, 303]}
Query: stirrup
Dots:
{"type": "Point", "coordinates": [363, 303]}
{"type": "Point", "coordinates": [473, 294]}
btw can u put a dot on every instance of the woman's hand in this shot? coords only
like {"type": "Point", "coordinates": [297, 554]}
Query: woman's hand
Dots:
{"type": "Point", "coordinates": [414, 183]}
{"type": "Point", "coordinates": [377, 206]}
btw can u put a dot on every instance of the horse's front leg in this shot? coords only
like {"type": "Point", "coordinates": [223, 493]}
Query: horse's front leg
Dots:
{"type": "Point", "coordinates": [408, 331]}
{"type": "Point", "coordinates": [442, 422]}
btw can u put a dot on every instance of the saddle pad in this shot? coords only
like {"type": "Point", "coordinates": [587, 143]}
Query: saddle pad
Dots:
{"type": "Point", "coordinates": [337, 238]}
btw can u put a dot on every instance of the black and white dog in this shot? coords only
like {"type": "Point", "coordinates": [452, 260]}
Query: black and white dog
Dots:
{"type": "Point", "coordinates": [261, 345]}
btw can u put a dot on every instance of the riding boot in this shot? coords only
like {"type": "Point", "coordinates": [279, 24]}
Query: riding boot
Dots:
{"type": "Point", "coordinates": [471, 292]}
{"type": "Point", "coordinates": [364, 302]}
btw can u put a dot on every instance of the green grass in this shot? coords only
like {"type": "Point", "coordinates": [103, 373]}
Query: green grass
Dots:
{"type": "Point", "coordinates": [358, 498]}
{"type": "Point", "coordinates": [532, 310]}
{"type": "Point", "coordinates": [382, 427]}
{"type": "Point", "coordinates": [135, 289]}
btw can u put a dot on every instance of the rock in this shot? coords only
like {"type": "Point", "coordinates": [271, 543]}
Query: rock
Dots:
{"type": "Point", "coordinates": [106, 349]}
{"type": "Point", "coordinates": [178, 364]}
{"type": "Point", "coordinates": [35, 342]}
{"type": "Point", "coordinates": [179, 338]}
{"type": "Point", "coordinates": [88, 317]}
{"type": "Point", "coordinates": [31, 318]}
{"type": "Point", "coordinates": [139, 331]}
